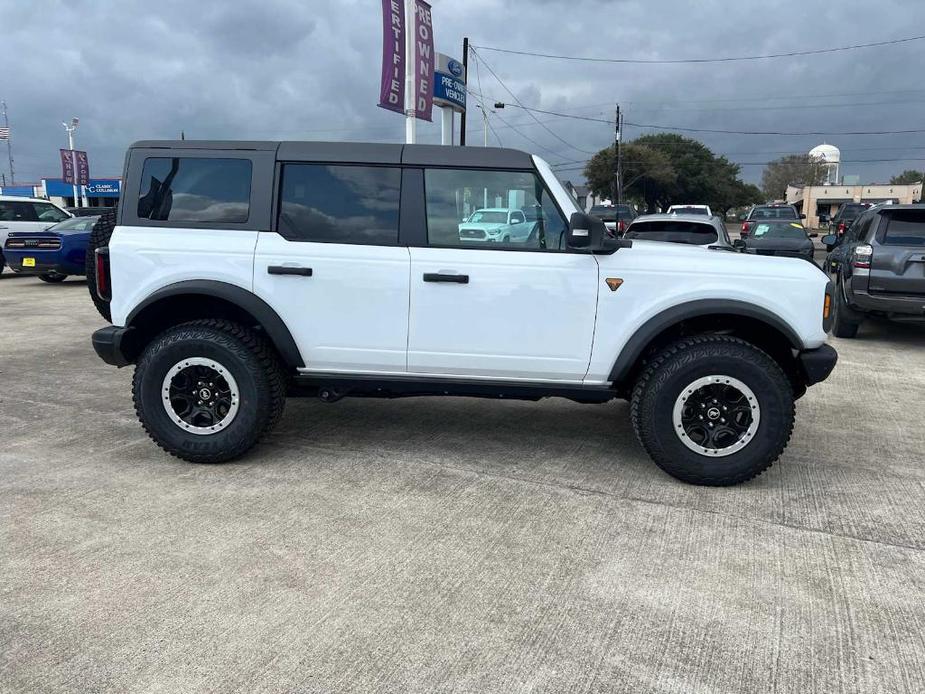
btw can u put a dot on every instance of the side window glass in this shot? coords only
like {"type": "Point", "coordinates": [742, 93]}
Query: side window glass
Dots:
{"type": "Point", "coordinates": [189, 189]}
{"type": "Point", "coordinates": [46, 212]}
{"type": "Point", "coordinates": [16, 211]}
{"type": "Point", "coordinates": [340, 204]}
{"type": "Point", "coordinates": [491, 209]}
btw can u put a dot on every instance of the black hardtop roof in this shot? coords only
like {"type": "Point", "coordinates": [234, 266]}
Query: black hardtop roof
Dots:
{"type": "Point", "coordinates": [360, 152]}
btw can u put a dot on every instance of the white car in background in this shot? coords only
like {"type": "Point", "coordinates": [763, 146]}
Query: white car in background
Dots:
{"type": "Point", "coordinates": [26, 214]}
{"type": "Point", "coordinates": [495, 224]}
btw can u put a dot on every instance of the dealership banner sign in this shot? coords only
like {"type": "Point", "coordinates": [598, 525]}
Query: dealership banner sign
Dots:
{"type": "Point", "coordinates": [392, 84]}
{"type": "Point", "coordinates": [75, 167]}
{"type": "Point", "coordinates": [397, 69]}
{"type": "Point", "coordinates": [424, 56]}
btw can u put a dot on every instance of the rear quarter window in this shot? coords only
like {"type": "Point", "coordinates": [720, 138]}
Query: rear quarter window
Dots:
{"type": "Point", "coordinates": [189, 189]}
{"type": "Point", "coordinates": [905, 228]}
{"type": "Point", "coordinates": [677, 232]}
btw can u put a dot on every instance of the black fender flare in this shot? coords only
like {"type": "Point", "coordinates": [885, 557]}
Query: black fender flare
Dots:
{"type": "Point", "coordinates": [263, 313]}
{"type": "Point", "coordinates": [649, 330]}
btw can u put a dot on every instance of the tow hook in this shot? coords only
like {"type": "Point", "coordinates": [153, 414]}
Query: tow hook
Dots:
{"type": "Point", "coordinates": [328, 394]}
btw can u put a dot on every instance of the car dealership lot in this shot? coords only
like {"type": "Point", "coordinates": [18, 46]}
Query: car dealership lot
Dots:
{"type": "Point", "coordinates": [450, 544]}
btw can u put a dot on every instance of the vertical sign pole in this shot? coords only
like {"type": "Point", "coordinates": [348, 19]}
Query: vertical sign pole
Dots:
{"type": "Point", "coordinates": [446, 125]}
{"type": "Point", "coordinates": [9, 146]}
{"type": "Point", "coordinates": [462, 117]}
{"type": "Point", "coordinates": [70, 146]}
{"type": "Point", "coordinates": [410, 70]}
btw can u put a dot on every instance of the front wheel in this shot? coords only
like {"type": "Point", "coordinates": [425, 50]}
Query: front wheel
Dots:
{"type": "Point", "coordinates": [713, 410]}
{"type": "Point", "coordinates": [208, 390]}
{"type": "Point", "coordinates": [52, 277]}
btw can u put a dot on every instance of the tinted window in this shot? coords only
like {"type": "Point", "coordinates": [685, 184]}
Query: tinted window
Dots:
{"type": "Point", "coordinates": [905, 228]}
{"type": "Point", "coordinates": [340, 204]}
{"type": "Point", "coordinates": [195, 190]}
{"type": "Point", "coordinates": [676, 232]}
{"type": "Point", "coordinates": [14, 211]}
{"type": "Point", "coordinates": [688, 210]}
{"type": "Point", "coordinates": [455, 197]}
{"type": "Point", "coordinates": [76, 223]}
{"type": "Point", "coordinates": [774, 213]}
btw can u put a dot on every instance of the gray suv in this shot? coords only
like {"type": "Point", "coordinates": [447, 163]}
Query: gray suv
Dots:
{"type": "Point", "coordinates": [879, 267]}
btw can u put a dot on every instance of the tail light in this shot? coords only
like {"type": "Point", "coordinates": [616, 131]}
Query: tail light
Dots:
{"type": "Point", "coordinates": [621, 226]}
{"type": "Point", "coordinates": [841, 228]}
{"type": "Point", "coordinates": [103, 280]}
{"type": "Point", "coordinates": [744, 228]}
{"type": "Point", "coordinates": [860, 260]}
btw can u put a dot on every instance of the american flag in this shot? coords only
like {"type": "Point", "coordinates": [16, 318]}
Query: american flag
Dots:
{"type": "Point", "coordinates": [4, 133]}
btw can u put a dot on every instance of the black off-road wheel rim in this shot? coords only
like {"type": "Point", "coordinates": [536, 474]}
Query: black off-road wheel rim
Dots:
{"type": "Point", "coordinates": [200, 396]}
{"type": "Point", "coordinates": [716, 415]}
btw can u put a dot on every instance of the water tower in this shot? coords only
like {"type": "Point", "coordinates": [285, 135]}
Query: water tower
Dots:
{"type": "Point", "coordinates": [829, 157]}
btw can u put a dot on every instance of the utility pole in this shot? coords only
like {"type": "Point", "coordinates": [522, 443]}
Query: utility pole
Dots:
{"type": "Point", "coordinates": [462, 118]}
{"type": "Point", "coordinates": [9, 146]}
{"type": "Point", "coordinates": [618, 164]}
{"type": "Point", "coordinates": [71, 127]}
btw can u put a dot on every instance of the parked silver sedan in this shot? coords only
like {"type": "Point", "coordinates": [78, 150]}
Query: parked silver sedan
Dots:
{"type": "Point", "coordinates": [692, 229]}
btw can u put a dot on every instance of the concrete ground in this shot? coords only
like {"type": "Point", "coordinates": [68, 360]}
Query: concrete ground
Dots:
{"type": "Point", "coordinates": [450, 544]}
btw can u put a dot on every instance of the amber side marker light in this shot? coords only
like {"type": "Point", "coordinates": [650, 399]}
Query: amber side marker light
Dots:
{"type": "Point", "coordinates": [614, 283]}
{"type": "Point", "coordinates": [826, 306]}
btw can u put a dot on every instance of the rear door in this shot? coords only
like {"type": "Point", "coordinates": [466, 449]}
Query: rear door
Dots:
{"type": "Point", "coordinates": [898, 262]}
{"type": "Point", "coordinates": [333, 269]}
{"type": "Point", "coordinates": [518, 310]}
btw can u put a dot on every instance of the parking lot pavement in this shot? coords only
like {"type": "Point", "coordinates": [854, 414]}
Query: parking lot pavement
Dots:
{"type": "Point", "coordinates": [450, 544]}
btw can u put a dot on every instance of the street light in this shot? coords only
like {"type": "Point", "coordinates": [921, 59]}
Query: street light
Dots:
{"type": "Point", "coordinates": [75, 121]}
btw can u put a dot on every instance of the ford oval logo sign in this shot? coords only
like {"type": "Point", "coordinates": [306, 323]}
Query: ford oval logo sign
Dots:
{"type": "Point", "coordinates": [456, 69]}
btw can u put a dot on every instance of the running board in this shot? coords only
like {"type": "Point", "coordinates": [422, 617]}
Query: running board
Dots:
{"type": "Point", "coordinates": [333, 387]}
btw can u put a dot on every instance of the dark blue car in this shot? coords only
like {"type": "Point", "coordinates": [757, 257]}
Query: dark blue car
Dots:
{"type": "Point", "coordinates": [52, 254]}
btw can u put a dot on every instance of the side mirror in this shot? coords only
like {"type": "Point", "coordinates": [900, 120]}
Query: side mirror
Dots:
{"type": "Point", "coordinates": [830, 241]}
{"type": "Point", "coordinates": [802, 216]}
{"type": "Point", "coordinates": [814, 235]}
{"type": "Point", "coordinates": [590, 234]}
{"type": "Point", "coordinates": [739, 244]}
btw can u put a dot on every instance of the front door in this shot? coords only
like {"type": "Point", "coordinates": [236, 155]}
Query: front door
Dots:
{"type": "Point", "coordinates": [523, 308]}
{"type": "Point", "coordinates": [334, 271]}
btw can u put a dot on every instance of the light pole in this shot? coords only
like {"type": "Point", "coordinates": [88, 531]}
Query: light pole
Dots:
{"type": "Point", "coordinates": [71, 127]}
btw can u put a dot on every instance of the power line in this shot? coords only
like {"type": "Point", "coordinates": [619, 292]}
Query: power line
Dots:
{"type": "Point", "coordinates": [579, 165]}
{"type": "Point", "coordinates": [676, 61]}
{"type": "Point", "coordinates": [774, 132]}
{"type": "Point", "coordinates": [514, 96]}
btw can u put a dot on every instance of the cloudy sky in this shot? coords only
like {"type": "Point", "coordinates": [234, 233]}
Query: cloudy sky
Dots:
{"type": "Point", "coordinates": [307, 69]}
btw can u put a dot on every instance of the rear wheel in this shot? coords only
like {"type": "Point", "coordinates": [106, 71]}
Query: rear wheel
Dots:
{"type": "Point", "coordinates": [208, 390]}
{"type": "Point", "coordinates": [52, 277]}
{"type": "Point", "coordinates": [99, 238]}
{"type": "Point", "coordinates": [713, 410]}
{"type": "Point", "coordinates": [845, 322]}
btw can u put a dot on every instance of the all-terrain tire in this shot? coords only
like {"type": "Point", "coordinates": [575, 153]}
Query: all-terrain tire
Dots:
{"type": "Point", "coordinates": [52, 277]}
{"type": "Point", "coordinates": [251, 361]}
{"type": "Point", "coordinates": [845, 321]}
{"type": "Point", "coordinates": [99, 238]}
{"type": "Point", "coordinates": [681, 364]}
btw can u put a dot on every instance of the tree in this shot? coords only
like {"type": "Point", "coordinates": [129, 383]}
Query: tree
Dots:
{"type": "Point", "coordinates": [794, 169]}
{"type": "Point", "coordinates": [908, 176]}
{"type": "Point", "coordinates": [667, 168]}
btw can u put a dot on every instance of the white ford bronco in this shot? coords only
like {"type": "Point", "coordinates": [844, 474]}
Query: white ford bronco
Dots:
{"type": "Point", "coordinates": [238, 273]}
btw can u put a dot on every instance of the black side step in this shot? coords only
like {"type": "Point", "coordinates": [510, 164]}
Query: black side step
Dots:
{"type": "Point", "coordinates": [332, 387]}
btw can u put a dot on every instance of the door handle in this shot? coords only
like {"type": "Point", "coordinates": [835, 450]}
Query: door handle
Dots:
{"type": "Point", "coordinates": [440, 277]}
{"type": "Point", "coordinates": [289, 270]}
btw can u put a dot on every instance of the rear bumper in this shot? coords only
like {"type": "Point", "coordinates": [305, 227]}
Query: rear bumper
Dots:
{"type": "Point", "coordinates": [43, 265]}
{"type": "Point", "coordinates": [110, 345]}
{"type": "Point", "coordinates": [817, 364]}
{"type": "Point", "coordinates": [907, 307]}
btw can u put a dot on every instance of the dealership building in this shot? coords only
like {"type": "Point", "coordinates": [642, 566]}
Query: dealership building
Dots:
{"type": "Point", "coordinates": [100, 192]}
{"type": "Point", "coordinates": [826, 199]}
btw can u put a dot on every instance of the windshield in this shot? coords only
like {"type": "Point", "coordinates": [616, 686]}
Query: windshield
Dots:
{"type": "Point", "coordinates": [485, 217]}
{"type": "Point", "coordinates": [688, 210]}
{"type": "Point", "coordinates": [852, 211]}
{"type": "Point", "coordinates": [78, 223]}
{"type": "Point", "coordinates": [779, 231]}
{"type": "Point", "coordinates": [677, 232]}
{"type": "Point", "coordinates": [773, 213]}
